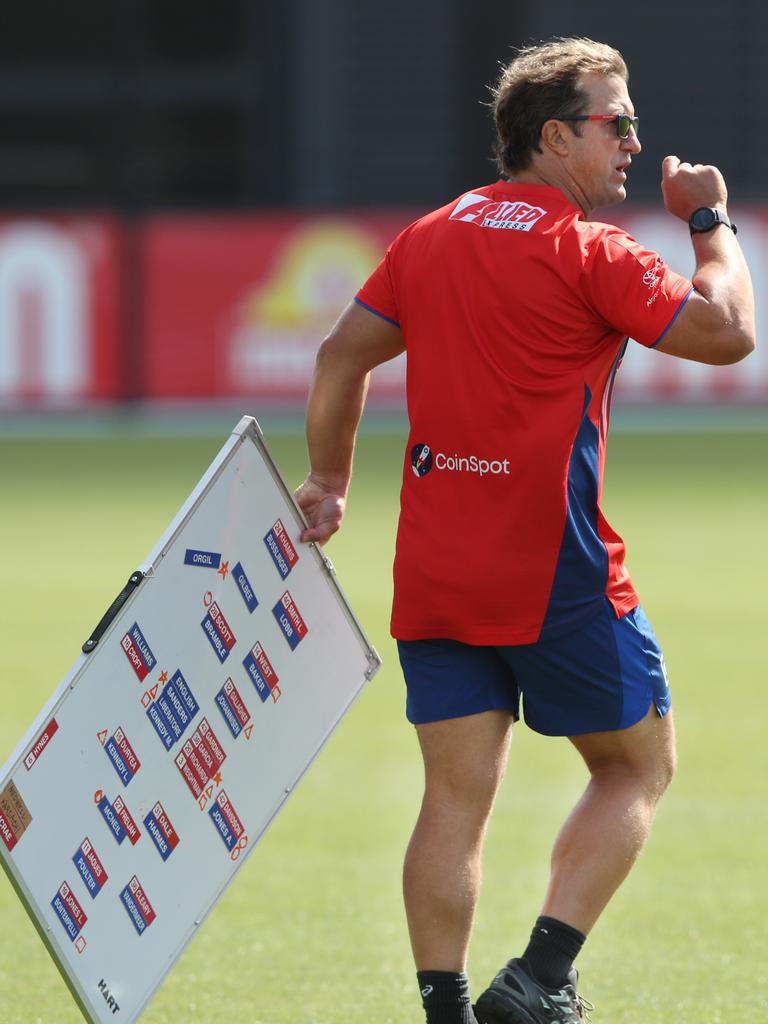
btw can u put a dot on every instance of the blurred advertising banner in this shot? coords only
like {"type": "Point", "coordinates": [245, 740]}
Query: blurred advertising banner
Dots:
{"type": "Point", "coordinates": [237, 305]}
{"type": "Point", "coordinates": [60, 288]}
{"type": "Point", "coordinates": [191, 307]}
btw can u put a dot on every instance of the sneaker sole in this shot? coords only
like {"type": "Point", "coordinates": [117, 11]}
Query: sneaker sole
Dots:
{"type": "Point", "coordinates": [497, 1014]}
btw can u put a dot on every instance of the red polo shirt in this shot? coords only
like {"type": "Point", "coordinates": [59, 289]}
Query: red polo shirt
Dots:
{"type": "Point", "coordinates": [515, 313]}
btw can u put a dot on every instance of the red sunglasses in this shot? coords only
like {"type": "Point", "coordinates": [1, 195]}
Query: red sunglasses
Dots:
{"type": "Point", "coordinates": [623, 122]}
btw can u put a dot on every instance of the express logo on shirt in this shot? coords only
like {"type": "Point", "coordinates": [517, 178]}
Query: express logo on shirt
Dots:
{"type": "Point", "coordinates": [514, 215]}
{"type": "Point", "coordinates": [421, 459]}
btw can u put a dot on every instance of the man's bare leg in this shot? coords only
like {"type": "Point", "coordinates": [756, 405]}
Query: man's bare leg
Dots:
{"type": "Point", "coordinates": [600, 841]}
{"type": "Point", "coordinates": [464, 760]}
{"type": "Point", "coordinates": [597, 846]}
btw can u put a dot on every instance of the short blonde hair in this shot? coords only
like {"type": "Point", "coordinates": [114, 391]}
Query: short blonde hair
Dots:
{"type": "Point", "coordinates": [542, 83]}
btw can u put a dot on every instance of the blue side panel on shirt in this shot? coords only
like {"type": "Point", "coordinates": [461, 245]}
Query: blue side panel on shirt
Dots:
{"type": "Point", "coordinates": [581, 574]}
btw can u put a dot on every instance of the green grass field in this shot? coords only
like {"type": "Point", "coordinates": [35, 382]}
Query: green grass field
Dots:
{"type": "Point", "coordinates": [312, 931]}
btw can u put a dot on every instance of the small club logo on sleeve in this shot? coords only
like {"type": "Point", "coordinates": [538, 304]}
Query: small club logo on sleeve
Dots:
{"type": "Point", "coordinates": [652, 280]}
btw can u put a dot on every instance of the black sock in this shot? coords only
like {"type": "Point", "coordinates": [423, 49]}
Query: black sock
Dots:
{"type": "Point", "coordinates": [445, 997]}
{"type": "Point", "coordinates": [553, 947]}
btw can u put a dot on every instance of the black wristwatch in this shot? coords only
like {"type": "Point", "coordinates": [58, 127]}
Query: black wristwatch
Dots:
{"type": "Point", "coordinates": [706, 218]}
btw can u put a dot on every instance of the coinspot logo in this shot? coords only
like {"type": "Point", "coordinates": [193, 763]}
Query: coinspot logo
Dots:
{"type": "Point", "coordinates": [421, 459]}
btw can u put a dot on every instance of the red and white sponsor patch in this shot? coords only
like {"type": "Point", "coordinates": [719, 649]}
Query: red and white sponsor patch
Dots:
{"type": "Point", "coordinates": [294, 615]}
{"type": "Point", "coordinates": [145, 907]}
{"type": "Point", "coordinates": [652, 279]}
{"type": "Point", "coordinates": [75, 910]}
{"type": "Point", "coordinates": [126, 820]}
{"type": "Point", "coordinates": [41, 743]}
{"type": "Point", "coordinates": [484, 212]}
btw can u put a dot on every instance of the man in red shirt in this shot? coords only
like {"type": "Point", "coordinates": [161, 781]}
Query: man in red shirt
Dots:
{"type": "Point", "coordinates": [510, 585]}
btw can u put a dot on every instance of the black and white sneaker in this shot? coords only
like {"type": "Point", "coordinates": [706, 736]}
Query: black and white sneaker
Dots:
{"type": "Point", "coordinates": [515, 997]}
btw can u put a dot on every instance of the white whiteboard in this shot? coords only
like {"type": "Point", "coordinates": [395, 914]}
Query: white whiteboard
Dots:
{"type": "Point", "coordinates": [169, 748]}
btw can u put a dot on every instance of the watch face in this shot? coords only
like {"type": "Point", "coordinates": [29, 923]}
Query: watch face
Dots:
{"type": "Point", "coordinates": [703, 219]}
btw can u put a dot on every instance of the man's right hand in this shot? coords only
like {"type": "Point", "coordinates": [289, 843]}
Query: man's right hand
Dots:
{"type": "Point", "coordinates": [359, 341]}
{"type": "Point", "coordinates": [323, 509]}
{"type": "Point", "coordinates": [685, 187]}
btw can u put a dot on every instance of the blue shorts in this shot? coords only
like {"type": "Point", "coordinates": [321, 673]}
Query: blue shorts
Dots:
{"type": "Point", "coordinates": [601, 677]}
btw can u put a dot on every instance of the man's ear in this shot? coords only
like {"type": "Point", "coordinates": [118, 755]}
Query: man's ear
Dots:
{"type": "Point", "coordinates": [555, 137]}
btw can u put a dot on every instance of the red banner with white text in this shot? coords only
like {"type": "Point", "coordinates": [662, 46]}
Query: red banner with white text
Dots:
{"type": "Point", "coordinates": [61, 329]}
{"type": "Point", "coordinates": [228, 307]}
{"type": "Point", "coordinates": [237, 306]}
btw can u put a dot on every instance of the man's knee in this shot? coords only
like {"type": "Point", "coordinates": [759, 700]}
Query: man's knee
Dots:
{"type": "Point", "coordinates": [660, 761]}
{"type": "Point", "coordinates": [643, 756]}
{"type": "Point", "coordinates": [667, 768]}
{"type": "Point", "coordinates": [648, 779]}
{"type": "Point", "coordinates": [470, 790]}
{"type": "Point", "coordinates": [465, 760]}
{"type": "Point", "coordinates": [657, 774]}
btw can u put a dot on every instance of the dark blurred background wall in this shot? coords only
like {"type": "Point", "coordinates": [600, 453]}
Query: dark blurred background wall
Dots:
{"type": "Point", "coordinates": [137, 104]}
{"type": "Point", "coordinates": [191, 191]}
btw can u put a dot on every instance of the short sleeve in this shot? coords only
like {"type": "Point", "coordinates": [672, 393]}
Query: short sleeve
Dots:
{"type": "Point", "coordinates": [631, 288]}
{"type": "Point", "coordinates": [377, 294]}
